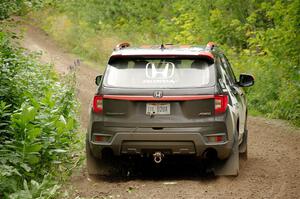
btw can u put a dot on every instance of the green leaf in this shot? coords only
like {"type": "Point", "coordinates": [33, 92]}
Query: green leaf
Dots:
{"type": "Point", "coordinates": [62, 119]}
{"type": "Point", "coordinates": [33, 133]}
{"type": "Point", "coordinates": [59, 150]}
{"type": "Point", "coordinates": [28, 114]}
{"type": "Point", "coordinates": [25, 167]}
{"type": "Point", "coordinates": [32, 158]}
{"type": "Point", "coordinates": [34, 147]}
{"type": "Point", "coordinates": [25, 185]}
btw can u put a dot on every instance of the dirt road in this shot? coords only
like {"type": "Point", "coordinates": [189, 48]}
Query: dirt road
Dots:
{"type": "Point", "coordinates": [271, 171]}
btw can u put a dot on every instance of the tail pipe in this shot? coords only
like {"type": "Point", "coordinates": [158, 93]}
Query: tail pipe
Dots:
{"type": "Point", "coordinates": [210, 154]}
{"type": "Point", "coordinates": [157, 157]}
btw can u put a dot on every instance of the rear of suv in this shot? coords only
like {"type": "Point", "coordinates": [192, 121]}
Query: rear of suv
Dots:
{"type": "Point", "coordinates": [159, 101]}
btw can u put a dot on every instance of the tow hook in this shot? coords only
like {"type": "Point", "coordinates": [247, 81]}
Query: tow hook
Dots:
{"type": "Point", "coordinates": [157, 157]}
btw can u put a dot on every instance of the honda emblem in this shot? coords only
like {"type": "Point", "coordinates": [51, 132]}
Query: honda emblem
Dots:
{"type": "Point", "coordinates": [158, 94]}
{"type": "Point", "coordinates": [167, 71]}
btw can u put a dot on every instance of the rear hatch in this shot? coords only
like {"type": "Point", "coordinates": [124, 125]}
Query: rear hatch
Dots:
{"type": "Point", "coordinates": [159, 92]}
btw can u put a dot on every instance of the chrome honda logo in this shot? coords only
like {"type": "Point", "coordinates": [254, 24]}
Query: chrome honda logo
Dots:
{"type": "Point", "coordinates": [158, 94]}
{"type": "Point", "coordinates": [163, 72]}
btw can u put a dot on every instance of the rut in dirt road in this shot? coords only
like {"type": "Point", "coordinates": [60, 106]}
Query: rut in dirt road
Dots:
{"type": "Point", "coordinates": [271, 171]}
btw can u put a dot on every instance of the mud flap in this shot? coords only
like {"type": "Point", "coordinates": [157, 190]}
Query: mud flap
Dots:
{"type": "Point", "coordinates": [94, 165]}
{"type": "Point", "coordinates": [243, 145]}
{"type": "Point", "coordinates": [230, 166]}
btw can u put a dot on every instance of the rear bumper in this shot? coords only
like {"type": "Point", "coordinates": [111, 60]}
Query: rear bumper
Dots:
{"type": "Point", "coordinates": [170, 143]}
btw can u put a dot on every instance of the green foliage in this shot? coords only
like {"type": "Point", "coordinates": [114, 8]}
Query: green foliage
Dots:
{"type": "Point", "coordinates": [260, 37]}
{"type": "Point", "coordinates": [46, 189]}
{"type": "Point", "coordinates": [17, 7]}
{"type": "Point", "coordinates": [38, 120]}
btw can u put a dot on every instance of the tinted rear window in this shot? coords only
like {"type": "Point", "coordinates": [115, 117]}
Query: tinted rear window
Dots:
{"type": "Point", "coordinates": [159, 73]}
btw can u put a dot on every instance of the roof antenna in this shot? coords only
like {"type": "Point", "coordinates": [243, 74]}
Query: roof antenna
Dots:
{"type": "Point", "coordinates": [162, 46]}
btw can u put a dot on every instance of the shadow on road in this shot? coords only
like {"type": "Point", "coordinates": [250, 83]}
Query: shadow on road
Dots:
{"type": "Point", "coordinates": [168, 170]}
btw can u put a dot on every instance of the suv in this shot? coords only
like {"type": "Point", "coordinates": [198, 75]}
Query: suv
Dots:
{"type": "Point", "coordinates": [160, 101]}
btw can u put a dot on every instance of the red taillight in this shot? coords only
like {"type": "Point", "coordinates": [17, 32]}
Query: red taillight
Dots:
{"type": "Point", "coordinates": [221, 102]}
{"type": "Point", "coordinates": [99, 138]}
{"type": "Point", "coordinates": [216, 138]}
{"type": "Point", "coordinates": [102, 137]}
{"type": "Point", "coordinates": [98, 104]}
{"type": "Point", "coordinates": [219, 138]}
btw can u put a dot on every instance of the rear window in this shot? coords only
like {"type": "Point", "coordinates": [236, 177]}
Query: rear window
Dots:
{"type": "Point", "coordinates": [159, 73]}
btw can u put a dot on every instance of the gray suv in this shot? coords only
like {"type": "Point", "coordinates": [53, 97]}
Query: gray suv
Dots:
{"type": "Point", "coordinates": [167, 100]}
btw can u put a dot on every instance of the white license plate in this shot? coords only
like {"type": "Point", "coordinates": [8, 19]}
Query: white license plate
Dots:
{"type": "Point", "coordinates": [158, 109]}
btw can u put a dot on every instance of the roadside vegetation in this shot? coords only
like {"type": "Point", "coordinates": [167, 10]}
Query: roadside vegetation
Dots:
{"type": "Point", "coordinates": [39, 140]}
{"type": "Point", "coordinates": [261, 38]}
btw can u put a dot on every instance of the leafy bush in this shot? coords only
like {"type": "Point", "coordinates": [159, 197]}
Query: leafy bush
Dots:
{"type": "Point", "coordinates": [38, 120]}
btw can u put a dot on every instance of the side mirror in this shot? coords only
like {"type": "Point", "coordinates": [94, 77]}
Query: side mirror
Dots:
{"type": "Point", "coordinates": [98, 80]}
{"type": "Point", "coordinates": [246, 80]}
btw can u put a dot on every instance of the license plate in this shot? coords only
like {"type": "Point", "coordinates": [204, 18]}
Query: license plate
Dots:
{"type": "Point", "coordinates": [158, 109]}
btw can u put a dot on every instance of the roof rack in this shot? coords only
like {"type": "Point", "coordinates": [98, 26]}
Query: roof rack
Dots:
{"type": "Point", "coordinates": [122, 45]}
{"type": "Point", "coordinates": [210, 45]}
